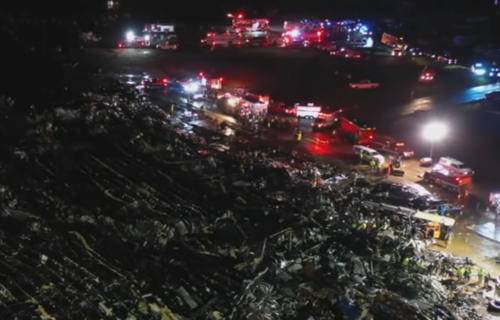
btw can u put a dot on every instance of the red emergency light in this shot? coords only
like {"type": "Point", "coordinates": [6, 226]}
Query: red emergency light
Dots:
{"type": "Point", "coordinates": [164, 80]}
{"type": "Point", "coordinates": [240, 16]}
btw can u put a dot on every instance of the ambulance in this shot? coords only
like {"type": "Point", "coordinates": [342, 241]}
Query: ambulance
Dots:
{"type": "Point", "coordinates": [327, 120]}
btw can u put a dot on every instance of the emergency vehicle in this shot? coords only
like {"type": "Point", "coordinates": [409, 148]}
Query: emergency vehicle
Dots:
{"type": "Point", "coordinates": [453, 165]}
{"type": "Point", "coordinates": [327, 120]}
{"type": "Point", "coordinates": [211, 83]}
{"type": "Point", "coordinates": [282, 108]}
{"type": "Point", "coordinates": [245, 25]}
{"type": "Point", "coordinates": [307, 110]}
{"type": "Point", "coordinates": [135, 42]}
{"type": "Point", "coordinates": [392, 146]}
{"type": "Point", "coordinates": [356, 131]}
{"type": "Point", "coordinates": [449, 179]}
{"type": "Point", "coordinates": [151, 83]}
{"type": "Point", "coordinates": [251, 102]}
{"type": "Point", "coordinates": [160, 34]}
{"type": "Point", "coordinates": [227, 39]}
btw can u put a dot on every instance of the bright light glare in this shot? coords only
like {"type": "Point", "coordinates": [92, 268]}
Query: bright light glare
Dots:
{"type": "Point", "coordinates": [147, 37]}
{"type": "Point", "coordinates": [295, 33]}
{"type": "Point", "coordinates": [369, 43]}
{"type": "Point", "coordinates": [192, 87]}
{"type": "Point", "coordinates": [435, 131]}
{"type": "Point", "coordinates": [130, 36]}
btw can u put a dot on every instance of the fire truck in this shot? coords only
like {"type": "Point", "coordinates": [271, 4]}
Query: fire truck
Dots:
{"type": "Point", "coordinates": [209, 82]}
{"type": "Point", "coordinates": [245, 25]}
{"type": "Point", "coordinates": [355, 131]}
{"type": "Point", "coordinates": [247, 103]}
{"type": "Point", "coordinates": [455, 181]}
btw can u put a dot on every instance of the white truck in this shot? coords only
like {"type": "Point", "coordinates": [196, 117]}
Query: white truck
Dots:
{"type": "Point", "coordinates": [307, 110]}
{"type": "Point", "coordinates": [365, 84]}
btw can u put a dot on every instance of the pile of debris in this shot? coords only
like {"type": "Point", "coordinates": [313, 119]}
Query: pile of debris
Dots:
{"type": "Point", "coordinates": [111, 208]}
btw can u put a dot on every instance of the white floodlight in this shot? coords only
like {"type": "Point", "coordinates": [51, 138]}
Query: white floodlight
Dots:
{"type": "Point", "coordinates": [130, 36]}
{"type": "Point", "coordinates": [435, 131]}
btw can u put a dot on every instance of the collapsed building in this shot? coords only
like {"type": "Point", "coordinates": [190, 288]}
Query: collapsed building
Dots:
{"type": "Point", "coordinates": [112, 209]}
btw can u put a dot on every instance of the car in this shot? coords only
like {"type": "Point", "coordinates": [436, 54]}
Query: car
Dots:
{"type": "Point", "coordinates": [132, 44]}
{"type": "Point", "coordinates": [327, 46]}
{"type": "Point", "coordinates": [367, 154]}
{"type": "Point", "coordinates": [444, 57]}
{"type": "Point", "coordinates": [167, 46]}
{"type": "Point", "coordinates": [415, 52]}
{"type": "Point", "coordinates": [398, 52]}
{"type": "Point", "coordinates": [154, 83]}
{"type": "Point", "coordinates": [402, 195]}
{"type": "Point", "coordinates": [364, 84]}
{"type": "Point", "coordinates": [492, 96]}
{"type": "Point", "coordinates": [446, 209]}
{"type": "Point", "coordinates": [427, 75]}
{"type": "Point", "coordinates": [345, 53]}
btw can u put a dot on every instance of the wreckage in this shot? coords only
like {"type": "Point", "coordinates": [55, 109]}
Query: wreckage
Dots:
{"type": "Point", "coordinates": [111, 209]}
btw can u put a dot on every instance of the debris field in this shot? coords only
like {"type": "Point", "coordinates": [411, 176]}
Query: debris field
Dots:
{"type": "Point", "coordinates": [113, 210]}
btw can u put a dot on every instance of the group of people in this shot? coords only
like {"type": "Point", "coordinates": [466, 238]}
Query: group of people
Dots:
{"type": "Point", "coordinates": [443, 268]}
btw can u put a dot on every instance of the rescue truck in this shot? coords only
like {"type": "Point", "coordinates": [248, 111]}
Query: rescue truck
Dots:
{"type": "Point", "coordinates": [454, 181]}
{"type": "Point", "coordinates": [453, 165]}
{"type": "Point", "coordinates": [355, 131]}
{"type": "Point", "coordinates": [327, 120]}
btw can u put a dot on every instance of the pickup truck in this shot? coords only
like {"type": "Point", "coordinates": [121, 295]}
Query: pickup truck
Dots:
{"type": "Point", "coordinates": [365, 84]}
